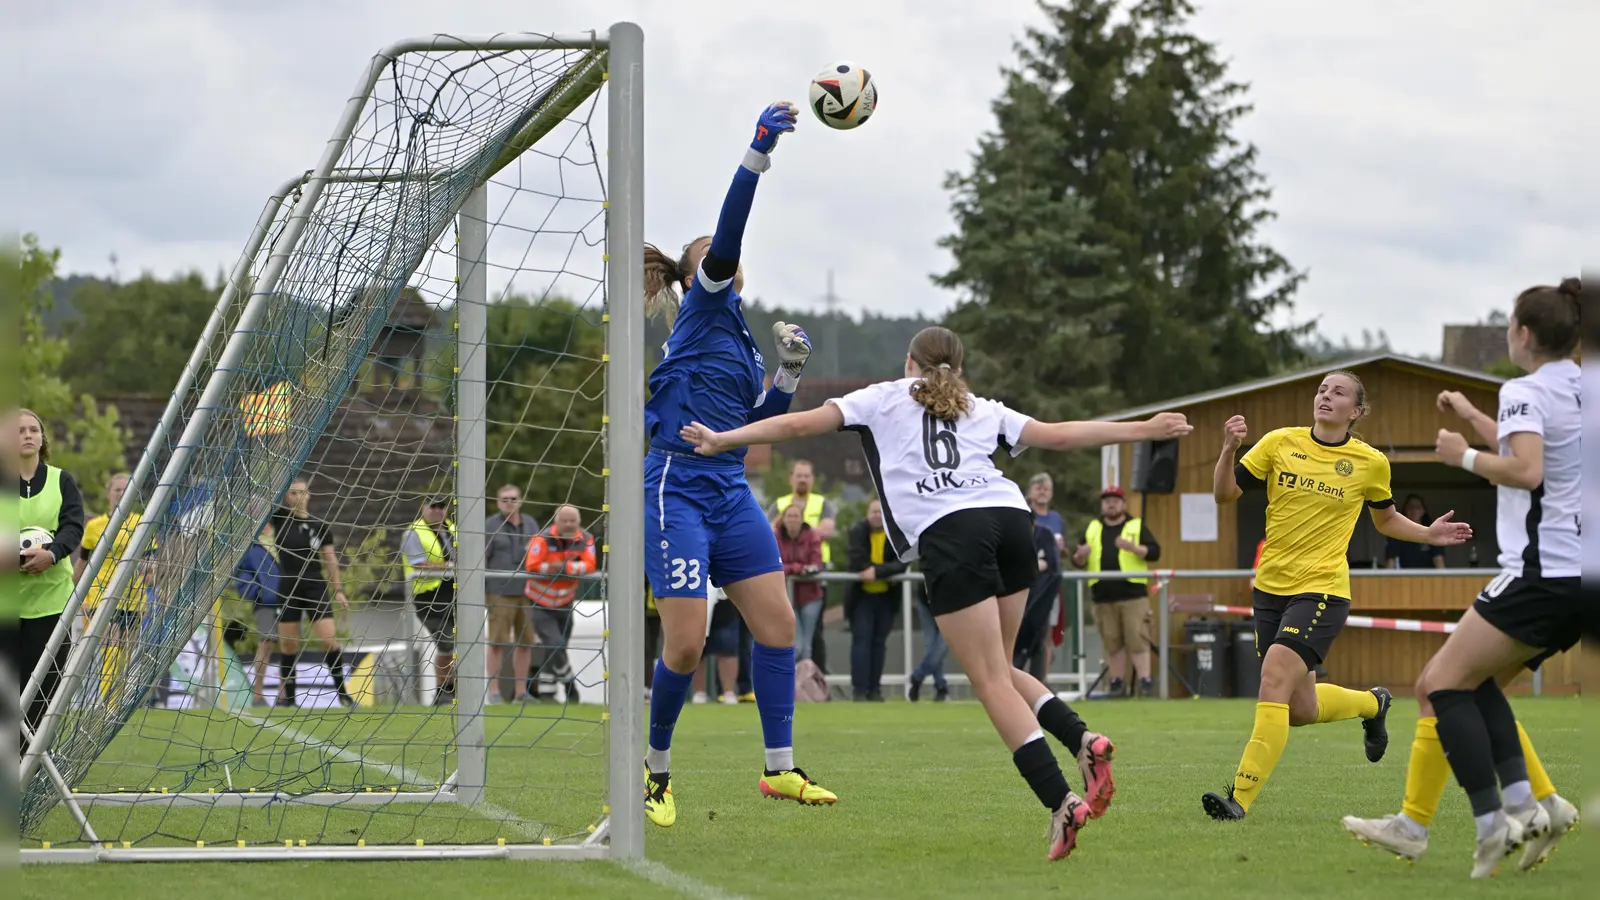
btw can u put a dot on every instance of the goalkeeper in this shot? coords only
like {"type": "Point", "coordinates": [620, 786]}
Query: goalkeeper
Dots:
{"type": "Point", "coordinates": [702, 524]}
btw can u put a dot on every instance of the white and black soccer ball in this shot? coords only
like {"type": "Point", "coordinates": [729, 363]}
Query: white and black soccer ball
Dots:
{"type": "Point", "coordinates": [34, 537]}
{"type": "Point", "coordinates": [844, 95]}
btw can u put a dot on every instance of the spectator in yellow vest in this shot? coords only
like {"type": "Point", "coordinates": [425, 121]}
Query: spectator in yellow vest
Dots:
{"type": "Point", "coordinates": [872, 604]}
{"type": "Point", "coordinates": [428, 549]}
{"type": "Point", "coordinates": [819, 512]}
{"type": "Point", "coordinates": [1116, 543]}
{"type": "Point", "coordinates": [49, 519]}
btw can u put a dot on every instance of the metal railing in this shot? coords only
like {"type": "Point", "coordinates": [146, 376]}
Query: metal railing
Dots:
{"type": "Point", "coordinates": [1080, 675]}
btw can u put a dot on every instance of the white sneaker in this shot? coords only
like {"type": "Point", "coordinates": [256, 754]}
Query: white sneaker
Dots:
{"type": "Point", "coordinates": [700, 698]}
{"type": "Point", "coordinates": [1391, 833]}
{"type": "Point", "coordinates": [729, 699]}
{"type": "Point", "coordinates": [1561, 817]}
{"type": "Point", "coordinates": [1501, 843]}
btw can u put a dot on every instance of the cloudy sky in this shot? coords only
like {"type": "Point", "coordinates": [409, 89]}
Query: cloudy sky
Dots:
{"type": "Point", "coordinates": [1429, 158]}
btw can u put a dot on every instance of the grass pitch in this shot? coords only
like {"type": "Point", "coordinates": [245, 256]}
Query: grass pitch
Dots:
{"type": "Point", "coordinates": [930, 807]}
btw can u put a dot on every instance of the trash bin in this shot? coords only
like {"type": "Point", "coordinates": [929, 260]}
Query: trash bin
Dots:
{"type": "Point", "coordinates": [1246, 664]}
{"type": "Point", "coordinates": [1208, 661]}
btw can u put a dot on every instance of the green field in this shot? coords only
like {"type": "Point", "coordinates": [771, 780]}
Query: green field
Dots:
{"type": "Point", "coordinates": [930, 807]}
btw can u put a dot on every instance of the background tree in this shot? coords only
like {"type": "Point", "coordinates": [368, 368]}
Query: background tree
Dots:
{"type": "Point", "coordinates": [1107, 248]}
{"type": "Point", "coordinates": [136, 337]}
{"type": "Point", "coordinates": [85, 437]}
{"type": "Point", "coordinates": [546, 403]}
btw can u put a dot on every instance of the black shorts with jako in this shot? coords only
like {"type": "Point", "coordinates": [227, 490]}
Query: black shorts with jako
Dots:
{"type": "Point", "coordinates": [971, 555]}
{"type": "Point", "coordinates": [1546, 613]}
{"type": "Point", "coordinates": [1305, 623]}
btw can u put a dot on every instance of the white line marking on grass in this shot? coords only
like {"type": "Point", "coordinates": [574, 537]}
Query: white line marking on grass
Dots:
{"type": "Point", "coordinates": [342, 754]}
{"type": "Point", "coordinates": [660, 875]}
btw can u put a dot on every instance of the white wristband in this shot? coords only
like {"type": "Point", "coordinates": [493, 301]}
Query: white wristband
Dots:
{"type": "Point", "coordinates": [785, 382]}
{"type": "Point", "coordinates": [756, 161]}
{"type": "Point", "coordinates": [1469, 459]}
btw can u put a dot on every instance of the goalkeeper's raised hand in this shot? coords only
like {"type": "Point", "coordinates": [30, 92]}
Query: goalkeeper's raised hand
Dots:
{"type": "Point", "coordinates": [776, 120]}
{"type": "Point", "coordinates": [794, 348]}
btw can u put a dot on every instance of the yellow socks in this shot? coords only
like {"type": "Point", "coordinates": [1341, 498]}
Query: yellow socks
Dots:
{"type": "Point", "coordinates": [1426, 773]}
{"type": "Point", "coordinates": [1538, 778]}
{"type": "Point", "coordinates": [1335, 704]}
{"type": "Point", "coordinates": [1271, 732]}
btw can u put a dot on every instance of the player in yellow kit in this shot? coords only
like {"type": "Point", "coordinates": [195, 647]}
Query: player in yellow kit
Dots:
{"type": "Point", "coordinates": [1318, 480]}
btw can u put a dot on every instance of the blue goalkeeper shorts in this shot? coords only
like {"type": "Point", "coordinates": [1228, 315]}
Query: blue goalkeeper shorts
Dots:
{"type": "Point", "coordinates": [702, 526]}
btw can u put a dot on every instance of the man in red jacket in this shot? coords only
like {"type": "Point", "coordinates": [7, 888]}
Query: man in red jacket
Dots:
{"type": "Point", "coordinates": [563, 549]}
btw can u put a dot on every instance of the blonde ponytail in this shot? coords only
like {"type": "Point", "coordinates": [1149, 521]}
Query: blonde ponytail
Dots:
{"type": "Point", "coordinates": [940, 389]}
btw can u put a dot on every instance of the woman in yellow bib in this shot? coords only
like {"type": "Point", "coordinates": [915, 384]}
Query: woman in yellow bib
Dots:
{"type": "Point", "coordinates": [1317, 480]}
{"type": "Point", "coordinates": [49, 528]}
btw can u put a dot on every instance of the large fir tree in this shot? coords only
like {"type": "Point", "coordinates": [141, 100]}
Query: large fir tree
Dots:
{"type": "Point", "coordinates": [1107, 246]}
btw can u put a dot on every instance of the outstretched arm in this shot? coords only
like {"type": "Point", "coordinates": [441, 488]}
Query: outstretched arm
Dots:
{"type": "Point", "coordinates": [1076, 435]}
{"type": "Point", "coordinates": [821, 420]}
{"type": "Point", "coordinates": [722, 259]}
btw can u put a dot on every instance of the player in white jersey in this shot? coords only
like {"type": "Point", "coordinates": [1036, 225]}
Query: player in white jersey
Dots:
{"type": "Point", "coordinates": [1534, 607]}
{"type": "Point", "coordinates": [1538, 508]}
{"type": "Point", "coordinates": [928, 442]}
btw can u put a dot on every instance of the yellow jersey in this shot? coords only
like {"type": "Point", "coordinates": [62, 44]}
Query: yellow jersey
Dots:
{"type": "Point", "coordinates": [93, 531]}
{"type": "Point", "coordinates": [1315, 494]}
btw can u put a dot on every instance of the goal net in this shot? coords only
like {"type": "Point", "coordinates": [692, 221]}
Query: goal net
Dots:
{"type": "Point", "coordinates": [419, 326]}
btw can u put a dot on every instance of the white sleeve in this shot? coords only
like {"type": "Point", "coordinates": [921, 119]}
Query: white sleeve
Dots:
{"type": "Point", "coordinates": [1009, 423]}
{"type": "Point", "coordinates": [861, 407]}
{"type": "Point", "coordinates": [1521, 410]}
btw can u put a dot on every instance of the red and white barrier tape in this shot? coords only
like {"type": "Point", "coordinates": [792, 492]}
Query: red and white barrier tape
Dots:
{"type": "Point", "coordinates": [1362, 621]}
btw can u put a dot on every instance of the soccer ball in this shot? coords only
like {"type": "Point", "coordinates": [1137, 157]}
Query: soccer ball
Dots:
{"type": "Point", "coordinates": [844, 95]}
{"type": "Point", "coordinates": [34, 537]}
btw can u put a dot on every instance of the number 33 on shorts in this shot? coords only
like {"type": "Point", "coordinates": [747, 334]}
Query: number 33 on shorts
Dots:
{"type": "Point", "coordinates": [683, 574]}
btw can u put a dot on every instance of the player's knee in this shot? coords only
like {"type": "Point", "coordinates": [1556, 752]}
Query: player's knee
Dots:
{"type": "Point", "coordinates": [681, 652]}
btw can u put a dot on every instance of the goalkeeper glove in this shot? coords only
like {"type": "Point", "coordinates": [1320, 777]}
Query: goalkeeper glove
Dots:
{"type": "Point", "coordinates": [794, 348]}
{"type": "Point", "coordinates": [775, 121]}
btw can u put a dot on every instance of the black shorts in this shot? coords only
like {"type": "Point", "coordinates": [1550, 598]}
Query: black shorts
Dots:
{"type": "Point", "coordinates": [1306, 623]}
{"type": "Point", "coordinates": [308, 601]}
{"type": "Point", "coordinates": [437, 610]}
{"type": "Point", "coordinates": [1546, 613]}
{"type": "Point", "coordinates": [974, 554]}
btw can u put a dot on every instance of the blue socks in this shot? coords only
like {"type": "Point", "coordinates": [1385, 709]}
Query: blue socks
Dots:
{"type": "Point", "coordinates": [668, 691]}
{"type": "Point", "coordinates": [772, 674]}
{"type": "Point", "coordinates": [771, 671]}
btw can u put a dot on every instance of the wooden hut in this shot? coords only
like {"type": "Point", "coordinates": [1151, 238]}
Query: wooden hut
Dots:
{"type": "Point", "coordinates": [1197, 534]}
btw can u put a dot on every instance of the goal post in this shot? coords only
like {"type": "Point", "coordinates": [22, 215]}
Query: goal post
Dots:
{"type": "Point", "coordinates": [441, 160]}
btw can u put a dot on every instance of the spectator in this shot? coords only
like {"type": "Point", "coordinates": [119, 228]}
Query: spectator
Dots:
{"type": "Point", "coordinates": [256, 581]}
{"type": "Point", "coordinates": [652, 639]}
{"type": "Point", "coordinates": [1038, 649]}
{"type": "Point", "coordinates": [428, 549]}
{"type": "Point", "coordinates": [934, 651]}
{"type": "Point", "coordinates": [721, 651]}
{"type": "Point", "coordinates": [820, 513]}
{"type": "Point", "coordinates": [1031, 653]}
{"type": "Point", "coordinates": [1121, 606]}
{"type": "Point", "coordinates": [507, 535]}
{"type": "Point", "coordinates": [48, 501]}
{"type": "Point", "coordinates": [308, 560]}
{"type": "Point", "coordinates": [566, 551]}
{"type": "Point", "coordinates": [125, 621]}
{"type": "Point", "coordinates": [801, 551]}
{"type": "Point", "coordinates": [871, 606]}
{"type": "Point", "coordinates": [1400, 554]}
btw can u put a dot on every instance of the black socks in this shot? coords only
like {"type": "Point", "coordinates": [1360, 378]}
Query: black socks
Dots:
{"type": "Point", "coordinates": [286, 663]}
{"type": "Point", "coordinates": [1465, 739]}
{"type": "Point", "coordinates": [1063, 724]}
{"type": "Point", "coordinates": [1039, 768]}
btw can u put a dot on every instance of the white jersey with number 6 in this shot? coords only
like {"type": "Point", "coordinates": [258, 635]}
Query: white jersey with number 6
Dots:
{"type": "Point", "coordinates": [1540, 530]}
{"type": "Point", "coordinates": [925, 468]}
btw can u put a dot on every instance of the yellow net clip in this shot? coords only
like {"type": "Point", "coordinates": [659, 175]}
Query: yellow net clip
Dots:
{"type": "Point", "coordinates": [500, 842]}
{"type": "Point", "coordinates": [288, 845]}
{"type": "Point", "coordinates": [361, 842]}
{"type": "Point", "coordinates": [419, 842]}
{"type": "Point", "coordinates": [44, 845]}
{"type": "Point", "coordinates": [239, 844]}
{"type": "Point", "coordinates": [200, 845]}
{"type": "Point", "coordinates": [547, 842]}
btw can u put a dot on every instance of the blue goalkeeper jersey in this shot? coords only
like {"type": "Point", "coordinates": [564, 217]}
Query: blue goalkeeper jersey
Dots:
{"type": "Point", "coordinates": [712, 372]}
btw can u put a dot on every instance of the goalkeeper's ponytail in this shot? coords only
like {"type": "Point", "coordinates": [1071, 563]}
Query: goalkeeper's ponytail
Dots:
{"type": "Point", "coordinates": [663, 279]}
{"type": "Point", "coordinates": [939, 387]}
{"type": "Point", "coordinates": [666, 278]}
